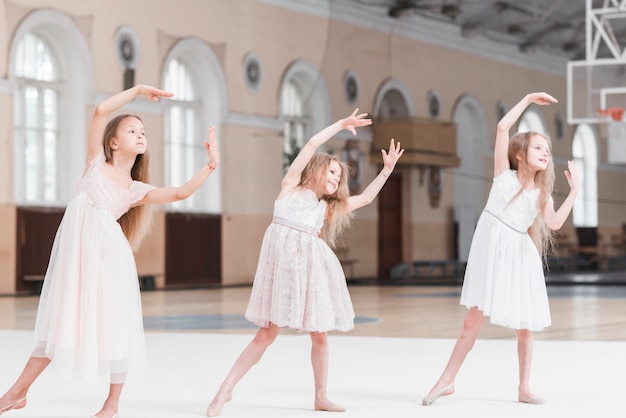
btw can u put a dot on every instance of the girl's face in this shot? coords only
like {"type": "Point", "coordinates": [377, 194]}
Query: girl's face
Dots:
{"type": "Point", "coordinates": [130, 137]}
{"type": "Point", "coordinates": [333, 175]}
{"type": "Point", "coordinates": [538, 153]}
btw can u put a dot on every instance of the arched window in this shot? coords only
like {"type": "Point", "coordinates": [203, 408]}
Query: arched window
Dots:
{"type": "Point", "coordinates": [295, 122]}
{"type": "Point", "coordinates": [50, 70]}
{"type": "Point", "coordinates": [192, 74]}
{"type": "Point", "coordinates": [532, 120]}
{"type": "Point", "coordinates": [585, 154]}
{"type": "Point", "coordinates": [304, 108]}
{"type": "Point", "coordinates": [37, 120]}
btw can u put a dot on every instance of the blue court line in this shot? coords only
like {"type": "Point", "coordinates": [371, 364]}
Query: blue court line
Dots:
{"type": "Point", "coordinates": [208, 322]}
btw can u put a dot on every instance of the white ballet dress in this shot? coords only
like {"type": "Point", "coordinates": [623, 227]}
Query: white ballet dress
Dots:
{"type": "Point", "coordinates": [504, 277]}
{"type": "Point", "coordinates": [89, 320]}
{"type": "Point", "coordinates": [299, 282]}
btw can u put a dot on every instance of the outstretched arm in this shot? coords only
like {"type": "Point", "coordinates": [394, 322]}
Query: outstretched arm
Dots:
{"type": "Point", "coordinates": [555, 219]}
{"type": "Point", "coordinates": [173, 194]}
{"type": "Point", "coordinates": [110, 105]}
{"type": "Point", "coordinates": [292, 178]}
{"type": "Point", "coordinates": [371, 191]}
{"type": "Point", "coordinates": [501, 150]}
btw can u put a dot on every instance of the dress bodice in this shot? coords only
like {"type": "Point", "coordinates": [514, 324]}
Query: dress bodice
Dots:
{"type": "Point", "coordinates": [105, 194]}
{"type": "Point", "coordinates": [519, 213]}
{"type": "Point", "coordinates": [301, 206]}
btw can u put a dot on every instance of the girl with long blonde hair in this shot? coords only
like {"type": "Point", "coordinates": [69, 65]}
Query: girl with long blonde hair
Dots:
{"type": "Point", "coordinates": [299, 282]}
{"type": "Point", "coordinates": [504, 278]}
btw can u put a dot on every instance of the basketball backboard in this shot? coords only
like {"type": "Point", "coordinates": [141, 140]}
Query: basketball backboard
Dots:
{"type": "Point", "coordinates": [598, 83]}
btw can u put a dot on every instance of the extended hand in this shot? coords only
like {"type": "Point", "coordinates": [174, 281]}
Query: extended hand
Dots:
{"type": "Point", "coordinates": [391, 158]}
{"type": "Point", "coordinates": [354, 121]}
{"type": "Point", "coordinates": [572, 176]}
{"type": "Point", "coordinates": [212, 149]}
{"type": "Point", "coordinates": [152, 93]}
{"type": "Point", "coordinates": [541, 98]}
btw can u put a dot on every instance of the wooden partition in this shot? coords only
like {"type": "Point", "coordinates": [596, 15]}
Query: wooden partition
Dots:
{"type": "Point", "coordinates": [193, 249]}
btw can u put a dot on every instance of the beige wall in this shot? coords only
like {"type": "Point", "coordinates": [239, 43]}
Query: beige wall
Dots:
{"type": "Point", "coordinates": [251, 156]}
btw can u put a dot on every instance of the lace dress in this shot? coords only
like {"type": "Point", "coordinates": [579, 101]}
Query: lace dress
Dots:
{"type": "Point", "coordinates": [89, 320]}
{"type": "Point", "coordinates": [504, 276]}
{"type": "Point", "coordinates": [299, 282]}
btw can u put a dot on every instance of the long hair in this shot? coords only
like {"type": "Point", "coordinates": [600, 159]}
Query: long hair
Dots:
{"type": "Point", "coordinates": [314, 177]}
{"type": "Point", "coordinates": [136, 222]}
{"type": "Point", "coordinates": [541, 235]}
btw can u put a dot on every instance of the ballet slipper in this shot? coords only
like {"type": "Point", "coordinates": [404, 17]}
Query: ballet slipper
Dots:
{"type": "Point", "coordinates": [533, 400]}
{"type": "Point", "coordinates": [19, 404]}
{"type": "Point", "coordinates": [114, 416]}
{"type": "Point", "coordinates": [432, 397]}
{"type": "Point", "coordinates": [213, 411]}
{"type": "Point", "coordinates": [329, 407]}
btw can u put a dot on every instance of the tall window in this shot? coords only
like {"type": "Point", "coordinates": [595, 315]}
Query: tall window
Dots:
{"type": "Point", "coordinates": [295, 122]}
{"type": "Point", "coordinates": [36, 121]}
{"type": "Point", "coordinates": [532, 121]}
{"type": "Point", "coordinates": [585, 154]}
{"type": "Point", "coordinates": [184, 152]}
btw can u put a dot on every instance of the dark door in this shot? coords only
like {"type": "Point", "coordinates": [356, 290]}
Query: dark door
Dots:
{"type": "Point", "coordinates": [389, 225]}
{"type": "Point", "coordinates": [36, 229]}
{"type": "Point", "coordinates": [193, 249]}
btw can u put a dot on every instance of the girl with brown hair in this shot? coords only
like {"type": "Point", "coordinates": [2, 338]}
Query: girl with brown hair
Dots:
{"type": "Point", "coordinates": [89, 320]}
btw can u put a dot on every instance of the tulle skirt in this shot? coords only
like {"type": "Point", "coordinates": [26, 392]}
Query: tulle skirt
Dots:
{"type": "Point", "coordinates": [89, 320]}
{"type": "Point", "coordinates": [504, 277]}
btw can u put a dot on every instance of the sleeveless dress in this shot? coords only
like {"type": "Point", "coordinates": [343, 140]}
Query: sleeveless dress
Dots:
{"type": "Point", "coordinates": [89, 320]}
{"type": "Point", "coordinates": [504, 277]}
{"type": "Point", "coordinates": [299, 282]}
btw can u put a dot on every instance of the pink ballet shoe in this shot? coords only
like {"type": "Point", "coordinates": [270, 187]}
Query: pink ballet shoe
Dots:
{"type": "Point", "coordinates": [95, 416]}
{"type": "Point", "coordinates": [431, 398]}
{"type": "Point", "coordinates": [329, 407]}
{"type": "Point", "coordinates": [19, 404]}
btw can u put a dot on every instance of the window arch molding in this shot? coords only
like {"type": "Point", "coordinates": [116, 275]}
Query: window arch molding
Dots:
{"type": "Point", "coordinates": [210, 90]}
{"type": "Point", "coordinates": [75, 87]}
{"type": "Point", "coordinates": [309, 80]}
{"type": "Point", "coordinates": [390, 85]}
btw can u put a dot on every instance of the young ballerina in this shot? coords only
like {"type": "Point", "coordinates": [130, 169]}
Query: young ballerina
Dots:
{"type": "Point", "coordinates": [504, 279]}
{"type": "Point", "coordinates": [299, 282]}
{"type": "Point", "coordinates": [89, 319]}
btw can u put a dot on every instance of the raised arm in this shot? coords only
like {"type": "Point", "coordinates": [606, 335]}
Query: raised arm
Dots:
{"type": "Point", "coordinates": [292, 178]}
{"type": "Point", "coordinates": [556, 219]}
{"type": "Point", "coordinates": [501, 150]}
{"type": "Point", "coordinates": [371, 191]}
{"type": "Point", "coordinates": [110, 105]}
{"type": "Point", "coordinates": [164, 195]}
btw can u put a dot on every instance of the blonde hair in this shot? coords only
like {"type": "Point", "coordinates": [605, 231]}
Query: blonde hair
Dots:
{"type": "Point", "coordinates": [314, 177]}
{"type": "Point", "coordinates": [541, 235]}
{"type": "Point", "coordinates": [136, 222]}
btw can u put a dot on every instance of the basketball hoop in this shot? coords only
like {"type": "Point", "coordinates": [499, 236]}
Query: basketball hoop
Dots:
{"type": "Point", "coordinates": [615, 113]}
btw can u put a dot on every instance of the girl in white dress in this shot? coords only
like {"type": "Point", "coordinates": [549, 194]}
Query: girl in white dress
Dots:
{"type": "Point", "coordinates": [504, 279]}
{"type": "Point", "coordinates": [89, 320]}
{"type": "Point", "coordinates": [299, 282]}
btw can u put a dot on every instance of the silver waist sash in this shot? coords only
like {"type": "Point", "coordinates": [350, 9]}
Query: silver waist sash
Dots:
{"type": "Point", "coordinates": [295, 225]}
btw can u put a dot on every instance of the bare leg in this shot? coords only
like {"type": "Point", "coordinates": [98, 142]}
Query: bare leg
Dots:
{"type": "Point", "coordinates": [474, 321]}
{"type": "Point", "coordinates": [248, 358]}
{"type": "Point", "coordinates": [111, 404]}
{"type": "Point", "coordinates": [525, 354]}
{"type": "Point", "coordinates": [15, 398]}
{"type": "Point", "coordinates": [319, 360]}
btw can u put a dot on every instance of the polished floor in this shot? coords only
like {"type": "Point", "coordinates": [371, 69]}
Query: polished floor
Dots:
{"type": "Point", "coordinates": [402, 339]}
